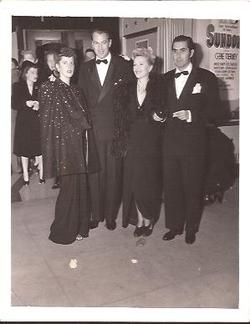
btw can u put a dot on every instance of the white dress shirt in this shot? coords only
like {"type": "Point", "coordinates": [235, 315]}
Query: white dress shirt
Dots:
{"type": "Point", "coordinates": [180, 84]}
{"type": "Point", "coordinates": [181, 80]}
{"type": "Point", "coordinates": [102, 68]}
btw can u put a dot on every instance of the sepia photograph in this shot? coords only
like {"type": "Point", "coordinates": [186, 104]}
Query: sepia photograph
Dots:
{"type": "Point", "coordinates": [125, 161]}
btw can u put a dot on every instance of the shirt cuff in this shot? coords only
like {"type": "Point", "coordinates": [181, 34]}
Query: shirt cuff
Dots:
{"type": "Point", "coordinates": [189, 120]}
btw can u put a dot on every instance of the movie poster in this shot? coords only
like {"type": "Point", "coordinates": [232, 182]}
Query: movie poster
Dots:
{"type": "Point", "coordinates": [223, 46]}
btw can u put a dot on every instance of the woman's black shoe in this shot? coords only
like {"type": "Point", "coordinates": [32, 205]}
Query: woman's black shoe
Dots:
{"type": "Point", "coordinates": [41, 180]}
{"type": "Point", "coordinates": [139, 231]}
{"type": "Point", "coordinates": [26, 183]}
{"type": "Point", "coordinates": [219, 195]}
{"type": "Point", "coordinates": [148, 230]}
{"type": "Point", "coordinates": [93, 224]}
{"type": "Point", "coordinates": [55, 186]}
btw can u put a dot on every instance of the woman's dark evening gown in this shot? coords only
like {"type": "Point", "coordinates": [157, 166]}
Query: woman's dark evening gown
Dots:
{"type": "Point", "coordinates": [142, 164]}
{"type": "Point", "coordinates": [27, 139]}
{"type": "Point", "coordinates": [64, 146]}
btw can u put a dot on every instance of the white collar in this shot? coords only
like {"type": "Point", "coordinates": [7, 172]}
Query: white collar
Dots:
{"type": "Point", "coordinates": [188, 68]}
{"type": "Point", "coordinates": [108, 58]}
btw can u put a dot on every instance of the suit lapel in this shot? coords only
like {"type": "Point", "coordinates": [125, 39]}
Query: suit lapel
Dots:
{"type": "Point", "coordinates": [108, 82]}
{"type": "Point", "coordinates": [94, 76]}
{"type": "Point", "coordinates": [172, 89]}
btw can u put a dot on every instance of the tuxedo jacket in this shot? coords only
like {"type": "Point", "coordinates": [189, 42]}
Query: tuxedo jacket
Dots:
{"type": "Point", "coordinates": [101, 99]}
{"type": "Point", "coordinates": [200, 95]}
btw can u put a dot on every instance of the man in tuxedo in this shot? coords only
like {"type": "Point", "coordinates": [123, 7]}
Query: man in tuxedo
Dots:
{"type": "Point", "coordinates": [192, 99]}
{"type": "Point", "coordinates": [98, 78]}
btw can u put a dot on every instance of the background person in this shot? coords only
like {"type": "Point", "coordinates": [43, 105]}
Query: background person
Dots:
{"type": "Point", "coordinates": [15, 161]}
{"type": "Point", "coordinates": [27, 55]}
{"type": "Point", "coordinates": [27, 140]}
{"type": "Point", "coordinates": [48, 70]}
{"type": "Point", "coordinates": [89, 54]}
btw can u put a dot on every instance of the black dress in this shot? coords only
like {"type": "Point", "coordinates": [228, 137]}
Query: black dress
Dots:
{"type": "Point", "coordinates": [27, 139]}
{"type": "Point", "coordinates": [64, 146]}
{"type": "Point", "coordinates": [142, 186]}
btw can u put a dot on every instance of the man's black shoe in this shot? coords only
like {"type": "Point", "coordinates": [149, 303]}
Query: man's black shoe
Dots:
{"type": "Point", "coordinates": [93, 224]}
{"type": "Point", "coordinates": [111, 226]}
{"type": "Point", "coordinates": [171, 235]}
{"type": "Point", "coordinates": [55, 186]}
{"type": "Point", "coordinates": [190, 237]}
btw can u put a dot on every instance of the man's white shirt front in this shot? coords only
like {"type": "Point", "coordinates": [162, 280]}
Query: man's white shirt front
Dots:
{"type": "Point", "coordinates": [180, 84]}
{"type": "Point", "coordinates": [102, 69]}
{"type": "Point", "coordinates": [181, 80]}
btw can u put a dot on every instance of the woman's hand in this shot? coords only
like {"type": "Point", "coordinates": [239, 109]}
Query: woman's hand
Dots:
{"type": "Point", "coordinates": [157, 118]}
{"type": "Point", "coordinates": [30, 103]}
{"type": "Point", "coordinates": [35, 105]}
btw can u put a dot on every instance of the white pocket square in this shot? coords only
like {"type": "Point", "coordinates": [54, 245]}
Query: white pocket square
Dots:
{"type": "Point", "coordinates": [197, 88]}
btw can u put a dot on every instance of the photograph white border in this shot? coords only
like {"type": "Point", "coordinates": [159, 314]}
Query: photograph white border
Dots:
{"type": "Point", "coordinates": [172, 9]}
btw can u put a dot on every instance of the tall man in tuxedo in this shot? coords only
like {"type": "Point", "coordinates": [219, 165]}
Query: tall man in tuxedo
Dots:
{"type": "Point", "coordinates": [192, 99]}
{"type": "Point", "coordinates": [98, 79]}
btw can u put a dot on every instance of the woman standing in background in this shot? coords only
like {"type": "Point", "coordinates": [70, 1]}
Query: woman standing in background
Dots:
{"type": "Point", "coordinates": [27, 140]}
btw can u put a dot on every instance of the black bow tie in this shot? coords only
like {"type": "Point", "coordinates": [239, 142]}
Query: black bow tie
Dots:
{"type": "Point", "coordinates": [180, 73]}
{"type": "Point", "coordinates": [105, 61]}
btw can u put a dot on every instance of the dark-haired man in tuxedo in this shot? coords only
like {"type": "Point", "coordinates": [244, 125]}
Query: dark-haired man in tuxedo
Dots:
{"type": "Point", "coordinates": [98, 78]}
{"type": "Point", "coordinates": [192, 99]}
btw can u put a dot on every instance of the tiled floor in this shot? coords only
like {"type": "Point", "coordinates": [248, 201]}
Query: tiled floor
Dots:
{"type": "Point", "coordinates": [167, 274]}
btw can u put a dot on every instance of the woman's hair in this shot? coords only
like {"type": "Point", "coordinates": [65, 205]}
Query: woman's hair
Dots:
{"type": "Point", "coordinates": [65, 51]}
{"type": "Point", "coordinates": [145, 52]}
{"type": "Point", "coordinates": [26, 66]}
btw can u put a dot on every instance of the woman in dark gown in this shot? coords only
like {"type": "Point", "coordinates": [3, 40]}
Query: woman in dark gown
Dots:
{"type": "Point", "coordinates": [142, 186]}
{"type": "Point", "coordinates": [27, 140]}
{"type": "Point", "coordinates": [66, 150]}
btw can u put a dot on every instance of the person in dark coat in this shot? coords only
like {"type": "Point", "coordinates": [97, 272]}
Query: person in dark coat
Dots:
{"type": "Point", "coordinates": [48, 70]}
{"type": "Point", "coordinates": [98, 79]}
{"type": "Point", "coordinates": [66, 151]}
{"type": "Point", "coordinates": [27, 139]}
{"type": "Point", "coordinates": [142, 177]}
{"type": "Point", "coordinates": [15, 161]}
{"type": "Point", "coordinates": [192, 100]}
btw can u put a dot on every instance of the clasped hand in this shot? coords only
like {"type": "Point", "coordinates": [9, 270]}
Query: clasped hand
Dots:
{"type": "Point", "coordinates": [181, 114]}
{"type": "Point", "coordinates": [33, 104]}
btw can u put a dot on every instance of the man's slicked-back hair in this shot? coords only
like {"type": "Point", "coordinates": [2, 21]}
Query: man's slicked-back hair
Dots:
{"type": "Point", "coordinates": [101, 31]}
{"type": "Point", "coordinates": [183, 38]}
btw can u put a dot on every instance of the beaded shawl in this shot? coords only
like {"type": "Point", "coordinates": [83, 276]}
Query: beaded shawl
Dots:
{"type": "Point", "coordinates": [64, 125]}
